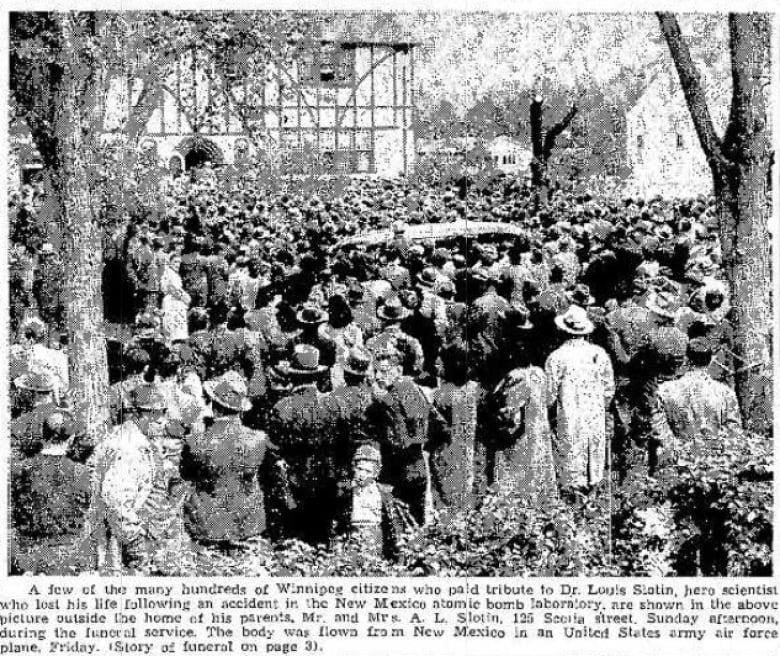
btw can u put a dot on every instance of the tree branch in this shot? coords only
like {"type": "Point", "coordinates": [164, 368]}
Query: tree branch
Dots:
{"type": "Point", "coordinates": [692, 88]}
{"type": "Point", "coordinates": [554, 132]}
{"type": "Point", "coordinates": [142, 110]}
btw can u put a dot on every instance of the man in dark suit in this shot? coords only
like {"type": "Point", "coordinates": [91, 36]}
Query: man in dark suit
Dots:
{"type": "Point", "coordinates": [298, 424]}
{"type": "Point", "coordinates": [346, 418]}
{"type": "Point", "coordinates": [223, 464]}
{"type": "Point", "coordinates": [400, 418]}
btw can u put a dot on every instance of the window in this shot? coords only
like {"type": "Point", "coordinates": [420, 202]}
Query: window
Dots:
{"type": "Point", "coordinates": [330, 65]}
{"type": "Point", "coordinates": [680, 142]}
{"type": "Point", "coordinates": [640, 141]}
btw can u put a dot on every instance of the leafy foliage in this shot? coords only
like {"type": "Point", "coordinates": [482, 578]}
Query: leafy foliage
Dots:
{"type": "Point", "coordinates": [707, 512]}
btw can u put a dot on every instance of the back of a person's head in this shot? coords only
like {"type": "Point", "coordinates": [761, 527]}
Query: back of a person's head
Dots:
{"type": "Point", "coordinates": [699, 352]}
{"type": "Point", "coordinates": [197, 319]}
{"type": "Point", "coordinates": [35, 332]}
{"type": "Point", "coordinates": [556, 274]}
{"type": "Point", "coordinates": [235, 319]}
{"type": "Point", "coordinates": [135, 360]}
{"type": "Point", "coordinates": [219, 314]}
{"type": "Point", "coordinates": [454, 359]}
{"type": "Point", "coordinates": [168, 363]}
{"type": "Point", "coordinates": [339, 312]}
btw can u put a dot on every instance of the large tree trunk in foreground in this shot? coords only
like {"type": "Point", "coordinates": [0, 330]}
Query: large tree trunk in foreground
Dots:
{"type": "Point", "coordinates": [73, 180]}
{"type": "Point", "coordinates": [740, 164]}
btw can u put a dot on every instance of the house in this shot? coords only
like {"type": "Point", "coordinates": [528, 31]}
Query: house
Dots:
{"type": "Point", "coordinates": [509, 155]}
{"type": "Point", "coordinates": [662, 150]}
{"type": "Point", "coordinates": [344, 102]}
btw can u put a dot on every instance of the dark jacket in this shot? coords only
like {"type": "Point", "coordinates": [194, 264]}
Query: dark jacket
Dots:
{"type": "Point", "coordinates": [223, 465]}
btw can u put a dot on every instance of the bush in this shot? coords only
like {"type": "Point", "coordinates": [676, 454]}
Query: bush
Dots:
{"type": "Point", "coordinates": [709, 512]}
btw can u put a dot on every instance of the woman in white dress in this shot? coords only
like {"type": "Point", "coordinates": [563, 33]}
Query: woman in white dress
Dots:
{"type": "Point", "coordinates": [175, 303]}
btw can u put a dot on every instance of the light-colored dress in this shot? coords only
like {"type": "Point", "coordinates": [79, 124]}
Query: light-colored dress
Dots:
{"type": "Point", "coordinates": [525, 470]}
{"type": "Point", "coordinates": [175, 304]}
{"type": "Point", "coordinates": [580, 381]}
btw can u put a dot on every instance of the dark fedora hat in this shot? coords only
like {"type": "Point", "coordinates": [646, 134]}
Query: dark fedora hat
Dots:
{"type": "Point", "coordinates": [580, 295]}
{"type": "Point", "coordinates": [427, 277]}
{"type": "Point", "coordinates": [311, 314]}
{"type": "Point", "coordinates": [305, 363]}
{"type": "Point", "coordinates": [358, 362]}
{"type": "Point", "coordinates": [392, 310]}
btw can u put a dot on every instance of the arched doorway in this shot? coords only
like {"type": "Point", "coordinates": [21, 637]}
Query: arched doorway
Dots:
{"type": "Point", "coordinates": [198, 151]}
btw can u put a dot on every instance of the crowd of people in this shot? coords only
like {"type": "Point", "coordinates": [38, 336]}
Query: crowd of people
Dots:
{"type": "Point", "coordinates": [272, 376]}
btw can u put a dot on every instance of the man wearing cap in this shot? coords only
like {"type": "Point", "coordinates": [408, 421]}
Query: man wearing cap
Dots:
{"type": "Point", "coordinates": [580, 385]}
{"type": "Point", "coordinates": [392, 313]}
{"type": "Point", "coordinates": [223, 465]}
{"type": "Point", "coordinates": [367, 509]}
{"type": "Point", "coordinates": [695, 405]}
{"type": "Point", "coordinates": [130, 510]}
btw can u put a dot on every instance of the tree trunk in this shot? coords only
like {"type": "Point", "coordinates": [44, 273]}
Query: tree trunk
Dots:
{"type": "Point", "coordinates": [740, 165]}
{"type": "Point", "coordinates": [73, 179]}
{"type": "Point", "coordinates": [538, 163]}
{"type": "Point", "coordinates": [751, 276]}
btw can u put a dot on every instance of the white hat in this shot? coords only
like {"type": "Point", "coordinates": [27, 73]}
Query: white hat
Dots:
{"type": "Point", "coordinates": [574, 321]}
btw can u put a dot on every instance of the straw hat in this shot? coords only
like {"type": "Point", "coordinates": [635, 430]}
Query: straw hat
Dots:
{"type": "Point", "coordinates": [574, 321]}
{"type": "Point", "coordinates": [228, 391]}
{"type": "Point", "coordinates": [664, 304]}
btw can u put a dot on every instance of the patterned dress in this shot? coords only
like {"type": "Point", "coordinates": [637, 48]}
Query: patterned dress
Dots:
{"type": "Point", "coordinates": [525, 468]}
